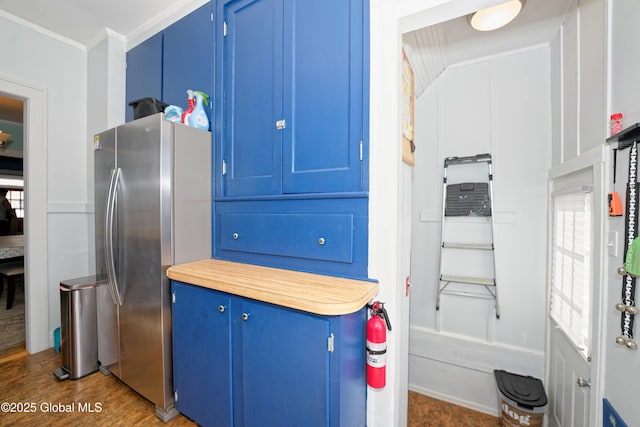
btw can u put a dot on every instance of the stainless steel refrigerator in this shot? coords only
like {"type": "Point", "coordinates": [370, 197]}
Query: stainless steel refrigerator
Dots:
{"type": "Point", "coordinates": [152, 210]}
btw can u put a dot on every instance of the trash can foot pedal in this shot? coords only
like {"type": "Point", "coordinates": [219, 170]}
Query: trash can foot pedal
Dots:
{"type": "Point", "coordinates": [61, 374]}
{"type": "Point", "coordinates": [105, 371]}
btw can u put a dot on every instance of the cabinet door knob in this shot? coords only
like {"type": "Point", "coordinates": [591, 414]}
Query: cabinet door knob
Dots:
{"type": "Point", "coordinates": [235, 236]}
{"type": "Point", "coordinates": [221, 308]}
{"type": "Point", "coordinates": [321, 241]}
{"type": "Point", "coordinates": [245, 316]}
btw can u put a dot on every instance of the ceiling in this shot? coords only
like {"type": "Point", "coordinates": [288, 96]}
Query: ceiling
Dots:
{"type": "Point", "coordinates": [432, 49]}
{"type": "Point", "coordinates": [82, 21]}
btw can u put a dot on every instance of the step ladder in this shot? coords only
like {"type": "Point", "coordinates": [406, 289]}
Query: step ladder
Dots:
{"type": "Point", "coordinates": [468, 199]}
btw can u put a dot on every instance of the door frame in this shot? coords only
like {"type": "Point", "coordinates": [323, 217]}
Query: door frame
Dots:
{"type": "Point", "coordinates": [596, 159]}
{"type": "Point", "coordinates": [35, 224]}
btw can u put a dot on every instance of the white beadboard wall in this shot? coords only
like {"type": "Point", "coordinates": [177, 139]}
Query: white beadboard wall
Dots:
{"type": "Point", "coordinates": [500, 105]}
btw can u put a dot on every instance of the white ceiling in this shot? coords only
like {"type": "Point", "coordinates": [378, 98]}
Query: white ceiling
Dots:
{"type": "Point", "coordinates": [82, 21]}
{"type": "Point", "coordinates": [430, 50]}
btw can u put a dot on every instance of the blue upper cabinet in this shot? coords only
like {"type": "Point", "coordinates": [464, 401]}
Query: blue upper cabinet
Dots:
{"type": "Point", "coordinates": [144, 72]}
{"type": "Point", "coordinates": [188, 57]}
{"type": "Point", "coordinates": [292, 97]}
{"type": "Point", "coordinates": [174, 60]}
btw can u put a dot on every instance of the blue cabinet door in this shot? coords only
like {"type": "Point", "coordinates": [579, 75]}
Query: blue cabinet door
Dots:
{"type": "Point", "coordinates": [323, 98]}
{"type": "Point", "coordinates": [252, 97]}
{"type": "Point", "coordinates": [202, 354]}
{"type": "Point", "coordinates": [284, 375]}
{"type": "Point", "coordinates": [188, 57]}
{"type": "Point", "coordinates": [144, 72]}
{"type": "Point", "coordinates": [293, 89]}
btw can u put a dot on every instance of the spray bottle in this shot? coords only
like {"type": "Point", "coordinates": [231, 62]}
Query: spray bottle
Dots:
{"type": "Point", "coordinates": [191, 102]}
{"type": "Point", "coordinates": [198, 118]}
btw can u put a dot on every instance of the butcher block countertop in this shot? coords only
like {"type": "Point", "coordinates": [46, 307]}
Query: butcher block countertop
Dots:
{"type": "Point", "coordinates": [313, 293]}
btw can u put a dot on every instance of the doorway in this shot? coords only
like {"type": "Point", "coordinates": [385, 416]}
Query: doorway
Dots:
{"type": "Point", "coordinates": [12, 299]}
{"type": "Point", "coordinates": [37, 334]}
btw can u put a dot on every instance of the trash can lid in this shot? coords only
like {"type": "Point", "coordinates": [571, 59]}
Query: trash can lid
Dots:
{"type": "Point", "coordinates": [82, 282]}
{"type": "Point", "coordinates": [527, 392]}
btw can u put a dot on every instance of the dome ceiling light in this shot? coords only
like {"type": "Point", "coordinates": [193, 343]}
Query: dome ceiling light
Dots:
{"type": "Point", "coordinates": [497, 16]}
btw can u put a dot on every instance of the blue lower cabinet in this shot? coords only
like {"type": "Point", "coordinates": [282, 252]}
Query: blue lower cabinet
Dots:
{"type": "Point", "coordinates": [266, 365]}
{"type": "Point", "coordinates": [202, 354]}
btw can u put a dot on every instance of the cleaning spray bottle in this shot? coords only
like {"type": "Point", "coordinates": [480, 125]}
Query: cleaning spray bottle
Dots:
{"type": "Point", "coordinates": [191, 102]}
{"type": "Point", "coordinates": [198, 118]}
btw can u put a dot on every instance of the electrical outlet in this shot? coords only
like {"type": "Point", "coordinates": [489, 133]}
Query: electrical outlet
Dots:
{"type": "Point", "coordinates": [610, 418]}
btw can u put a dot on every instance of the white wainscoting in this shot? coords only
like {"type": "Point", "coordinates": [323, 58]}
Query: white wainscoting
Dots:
{"type": "Point", "coordinates": [460, 370]}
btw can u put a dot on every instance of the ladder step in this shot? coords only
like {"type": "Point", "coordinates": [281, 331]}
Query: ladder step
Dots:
{"type": "Point", "coordinates": [458, 245]}
{"type": "Point", "coordinates": [469, 294]}
{"type": "Point", "coordinates": [469, 159]}
{"type": "Point", "coordinates": [470, 280]}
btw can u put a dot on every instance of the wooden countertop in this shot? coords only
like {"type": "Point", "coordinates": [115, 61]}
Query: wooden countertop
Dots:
{"type": "Point", "coordinates": [314, 293]}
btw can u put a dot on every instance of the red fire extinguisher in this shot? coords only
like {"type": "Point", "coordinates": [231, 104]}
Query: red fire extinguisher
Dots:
{"type": "Point", "coordinates": [377, 345]}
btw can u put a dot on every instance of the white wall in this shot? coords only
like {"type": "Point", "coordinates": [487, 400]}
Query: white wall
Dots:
{"type": "Point", "coordinates": [56, 219]}
{"type": "Point", "coordinates": [498, 105]}
{"type": "Point", "coordinates": [622, 366]}
{"type": "Point", "coordinates": [387, 406]}
{"type": "Point", "coordinates": [105, 107]}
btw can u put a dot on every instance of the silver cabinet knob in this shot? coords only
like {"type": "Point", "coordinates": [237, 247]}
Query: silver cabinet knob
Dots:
{"type": "Point", "coordinates": [245, 316]}
{"type": "Point", "coordinates": [235, 236]}
{"type": "Point", "coordinates": [321, 241]}
{"type": "Point", "coordinates": [221, 308]}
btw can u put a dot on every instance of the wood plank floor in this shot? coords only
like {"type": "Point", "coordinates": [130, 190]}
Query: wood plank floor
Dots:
{"type": "Point", "coordinates": [28, 382]}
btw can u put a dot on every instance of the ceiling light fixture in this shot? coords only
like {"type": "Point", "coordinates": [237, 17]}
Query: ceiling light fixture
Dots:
{"type": "Point", "coordinates": [497, 16]}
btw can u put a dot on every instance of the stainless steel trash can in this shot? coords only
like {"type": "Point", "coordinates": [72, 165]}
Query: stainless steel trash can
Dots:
{"type": "Point", "coordinates": [78, 327]}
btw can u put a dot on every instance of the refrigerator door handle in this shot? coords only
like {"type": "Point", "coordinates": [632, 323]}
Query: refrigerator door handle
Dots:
{"type": "Point", "coordinates": [109, 214]}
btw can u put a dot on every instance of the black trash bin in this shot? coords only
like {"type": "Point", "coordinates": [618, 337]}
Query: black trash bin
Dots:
{"type": "Point", "coordinates": [522, 399]}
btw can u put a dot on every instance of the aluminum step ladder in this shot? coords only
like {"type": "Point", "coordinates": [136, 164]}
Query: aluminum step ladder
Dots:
{"type": "Point", "coordinates": [468, 199]}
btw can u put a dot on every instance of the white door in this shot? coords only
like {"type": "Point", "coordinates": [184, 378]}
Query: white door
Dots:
{"type": "Point", "coordinates": [568, 402]}
{"type": "Point", "coordinates": [576, 224]}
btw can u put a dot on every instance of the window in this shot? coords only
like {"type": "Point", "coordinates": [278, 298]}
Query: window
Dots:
{"type": "Point", "coordinates": [16, 198]}
{"type": "Point", "coordinates": [571, 267]}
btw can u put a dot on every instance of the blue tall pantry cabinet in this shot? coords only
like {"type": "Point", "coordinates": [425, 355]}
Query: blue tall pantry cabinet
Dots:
{"type": "Point", "coordinates": [291, 181]}
{"type": "Point", "coordinates": [289, 80]}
